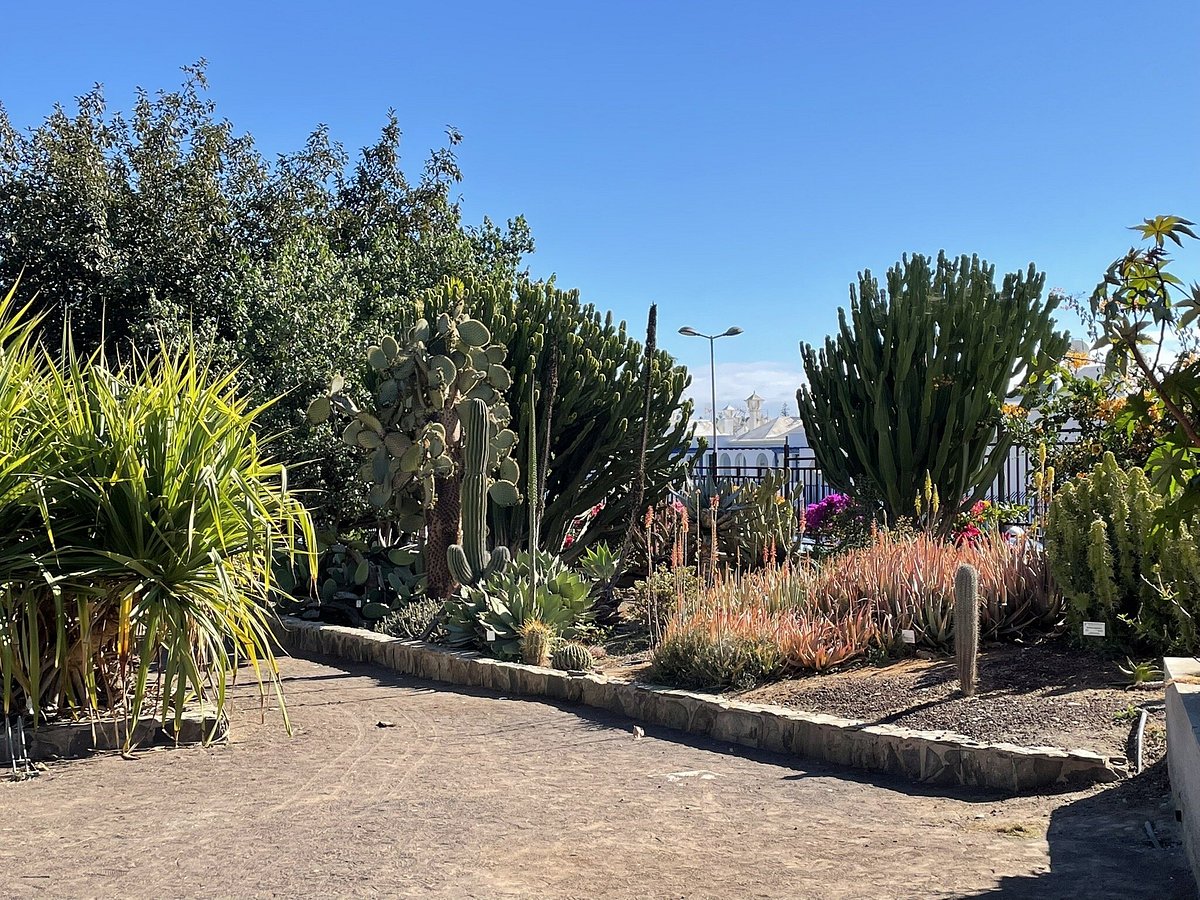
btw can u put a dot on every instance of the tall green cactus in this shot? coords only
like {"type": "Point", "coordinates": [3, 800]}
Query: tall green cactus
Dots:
{"type": "Point", "coordinates": [471, 562]}
{"type": "Point", "coordinates": [966, 627]}
{"type": "Point", "coordinates": [913, 382]}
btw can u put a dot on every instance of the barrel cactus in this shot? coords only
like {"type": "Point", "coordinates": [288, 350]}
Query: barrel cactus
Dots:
{"type": "Point", "coordinates": [573, 657]}
{"type": "Point", "coordinates": [536, 640]}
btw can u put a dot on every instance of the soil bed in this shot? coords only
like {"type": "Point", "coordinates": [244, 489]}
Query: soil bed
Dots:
{"type": "Point", "coordinates": [1034, 695]}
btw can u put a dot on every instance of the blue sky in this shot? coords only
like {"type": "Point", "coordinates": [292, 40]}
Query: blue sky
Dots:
{"type": "Point", "coordinates": [735, 163]}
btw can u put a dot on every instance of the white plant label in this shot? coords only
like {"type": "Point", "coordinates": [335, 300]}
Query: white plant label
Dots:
{"type": "Point", "coordinates": [908, 636]}
{"type": "Point", "coordinates": [1093, 629]}
{"type": "Point", "coordinates": [490, 635]}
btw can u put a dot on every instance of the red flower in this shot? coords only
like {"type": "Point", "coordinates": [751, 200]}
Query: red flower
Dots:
{"type": "Point", "coordinates": [568, 541]}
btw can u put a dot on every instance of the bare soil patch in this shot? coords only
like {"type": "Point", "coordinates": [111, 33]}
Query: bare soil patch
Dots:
{"type": "Point", "coordinates": [1046, 695]}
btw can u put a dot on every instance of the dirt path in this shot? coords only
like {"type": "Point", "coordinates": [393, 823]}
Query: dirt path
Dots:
{"type": "Point", "coordinates": [473, 796]}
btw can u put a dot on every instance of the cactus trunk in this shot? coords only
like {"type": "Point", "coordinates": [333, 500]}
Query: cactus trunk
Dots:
{"type": "Point", "coordinates": [470, 562]}
{"type": "Point", "coordinates": [966, 627]}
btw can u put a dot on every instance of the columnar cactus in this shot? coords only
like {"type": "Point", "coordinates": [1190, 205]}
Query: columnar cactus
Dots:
{"type": "Point", "coordinates": [471, 562]}
{"type": "Point", "coordinates": [966, 627]}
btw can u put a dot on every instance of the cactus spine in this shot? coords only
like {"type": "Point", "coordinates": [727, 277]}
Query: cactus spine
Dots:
{"type": "Point", "coordinates": [966, 627]}
{"type": "Point", "coordinates": [573, 657]}
{"type": "Point", "coordinates": [536, 638]}
{"type": "Point", "coordinates": [471, 562]}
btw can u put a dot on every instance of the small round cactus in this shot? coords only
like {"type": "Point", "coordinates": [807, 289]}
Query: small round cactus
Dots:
{"type": "Point", "coordinates": [536, 638]}
{"type": "Point", "coordinates": [573, 657]}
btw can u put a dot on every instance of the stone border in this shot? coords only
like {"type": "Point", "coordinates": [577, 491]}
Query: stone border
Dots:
{"type": "Point", "coordinates": [929, 757]}
{"type": "Point", "coordinates": [74, 740]}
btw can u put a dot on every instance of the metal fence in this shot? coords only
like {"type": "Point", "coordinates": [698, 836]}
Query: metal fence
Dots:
{"type": "Point", "coordinates": [806, 484]}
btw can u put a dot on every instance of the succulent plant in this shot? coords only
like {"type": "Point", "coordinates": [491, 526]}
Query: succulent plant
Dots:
{"type": "Point", "coordinates": [410, 620]}
{"type": "Point", "coordinates": [536, 640]}
{"type": "Point", "coordinates": [489, 616]}
{"type": "Point", "coordinates": [412, 434]}
{"type": "Point", "coordinates": [966, 627]}
{"type": "Point", "coordinates": [471, 562]}
{"type": "Point", "coordinates": [571, 656]}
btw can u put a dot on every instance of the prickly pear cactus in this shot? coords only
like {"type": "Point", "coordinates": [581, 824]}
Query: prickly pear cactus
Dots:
{"type": "Point", "coordinates": [412, 433]}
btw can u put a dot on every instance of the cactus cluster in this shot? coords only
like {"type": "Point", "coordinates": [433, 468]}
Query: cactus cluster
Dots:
{"type": "Point", "coordinates": [912, 383]}
{"type": "Point", "coordinates": [1115, 566]}
{"type": "Point", "coordinates": [571, 656]}
{"type": "Point", "coordinates": [966, 627]}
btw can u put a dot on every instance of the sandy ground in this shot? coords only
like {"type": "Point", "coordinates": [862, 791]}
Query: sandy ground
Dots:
{"type": "Point", "coordinates": [473, 796]}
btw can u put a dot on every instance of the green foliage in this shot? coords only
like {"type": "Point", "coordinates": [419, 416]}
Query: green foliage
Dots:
{"type": "Point", "coordinates": [966, 627]}
{"type": "Point", "coordinates": [698, 658]}
{"type": "Point", "coordinates": [422, 385]}
{"type": "Point", "coordinates": [594, 424]}
{"type": "Point", "coordinates": [536, 640]}
{"type": "Point", "coordinates": [358, 581]}
{"type": "Point", "coordinates": [489, 617]}
{"type": "Point", "coordinates": [599, 564]}
{"type": "Point", "coordinates": [410, 620]}
{"type": "Point", "coordinates": [571, 656]}
{"type": "Point", "coordinates": [163, 220]}
{"type": "Point", "coordinates": [1140, 307]}
{"type": "Point", "coordinates": [1141, 673]}
{"type": "Point", "coordinates": [141, 517]}
{"type": "Point", "coordinates": [912, 384]}
{"type": "Point", "coordinates": [1114, 566]}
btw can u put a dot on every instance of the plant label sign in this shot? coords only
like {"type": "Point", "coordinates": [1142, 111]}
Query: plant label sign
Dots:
{"type": "Point", "coordinates": [908, 636]}
{"type": "Point", "coordinates": [490, 635]}
{"type": "Point", "coordinates": [1093, 629]}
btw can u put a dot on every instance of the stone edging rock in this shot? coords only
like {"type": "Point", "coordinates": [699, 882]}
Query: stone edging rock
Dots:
{"type": "Point", "coordinates": [73, 740]}
{"type": "Point", "coordinates": [929, 757]}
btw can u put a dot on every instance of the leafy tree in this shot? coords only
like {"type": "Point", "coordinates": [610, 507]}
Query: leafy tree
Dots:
{"type": "Point", "coordinates": [909, 391]}
{"type": "Point", "coordinates": [1147, 319]}
{"type": "Point", "coordinates": [166, 222]}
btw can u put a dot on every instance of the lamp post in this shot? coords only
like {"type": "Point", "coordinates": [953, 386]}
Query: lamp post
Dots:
{"type": "Point", "coordinates": [712, 371]}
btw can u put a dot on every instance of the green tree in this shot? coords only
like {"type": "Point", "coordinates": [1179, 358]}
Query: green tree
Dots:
{"type": "Point", "coordinates": [1147, 319]}
{"type": "Point", "coordinates": [911, 387]}
{"type": "Point", "coordinates": [166, 222]}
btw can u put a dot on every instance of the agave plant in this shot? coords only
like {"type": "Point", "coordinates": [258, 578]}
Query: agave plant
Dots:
{"type": "Point", "coordinates": [491, 615]}
{"type": "Point", "coordinates": [143, 516]}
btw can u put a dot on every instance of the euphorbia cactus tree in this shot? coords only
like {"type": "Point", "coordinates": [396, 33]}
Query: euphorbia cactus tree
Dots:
{"type": "Point", "coordinates": [911, 386]}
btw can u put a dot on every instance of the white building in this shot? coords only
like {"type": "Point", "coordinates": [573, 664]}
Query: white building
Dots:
{"type": "Point", "coordinates": [746, 438]}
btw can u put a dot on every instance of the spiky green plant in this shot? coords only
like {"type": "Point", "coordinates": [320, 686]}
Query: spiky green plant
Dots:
{"type": "Point", "coordinates": [471, 562]}
{"type": "Point", "coordinates": [913, 382]}
{"type": "Point", "coordinates": [413, 430]}
{"type": "Point", "coordinates": [145, 521]}
{"type": "Point", "coordinates": [1116, 566]}
{"type": "Point", "coordinates": [966, 627]}
{"type": "Point", "coordinates": [411, 620]}
{"type": "Point", "coordinates": [572, 656]}
{"type": "Point", "coordinates": [536, 640]}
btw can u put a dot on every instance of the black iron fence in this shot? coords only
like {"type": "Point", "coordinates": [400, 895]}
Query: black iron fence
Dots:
{"type": "Point", "coordinates": [806, 484]}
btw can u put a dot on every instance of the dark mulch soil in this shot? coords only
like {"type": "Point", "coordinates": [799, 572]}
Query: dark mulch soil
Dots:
{"type": "Point", "coordinates": [1035, 695]}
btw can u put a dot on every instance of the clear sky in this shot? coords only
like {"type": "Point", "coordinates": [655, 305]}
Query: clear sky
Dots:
{"type": "Point", "coordinates": [737, 163]}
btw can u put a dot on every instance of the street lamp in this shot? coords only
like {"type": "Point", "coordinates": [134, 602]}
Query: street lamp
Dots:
{"type": "Point", "coordinates": [712, 371]}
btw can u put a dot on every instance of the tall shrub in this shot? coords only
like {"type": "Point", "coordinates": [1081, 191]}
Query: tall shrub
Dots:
{"type": "Point", "coordinates": [141, 521]}
{"type": "Point", "coordinates": [912, 384]}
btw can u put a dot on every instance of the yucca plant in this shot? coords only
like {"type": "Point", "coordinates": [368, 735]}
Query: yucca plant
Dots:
{"type": "Point", "coordinates": [144, 518]}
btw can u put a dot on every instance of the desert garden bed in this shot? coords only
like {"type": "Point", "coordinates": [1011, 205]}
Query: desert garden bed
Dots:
{"type": "Point", "coordinates": [1045, 694]}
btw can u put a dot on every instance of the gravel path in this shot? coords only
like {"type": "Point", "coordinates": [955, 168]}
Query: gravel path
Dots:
{"type": "Point", "coordinates": [469, 795]}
